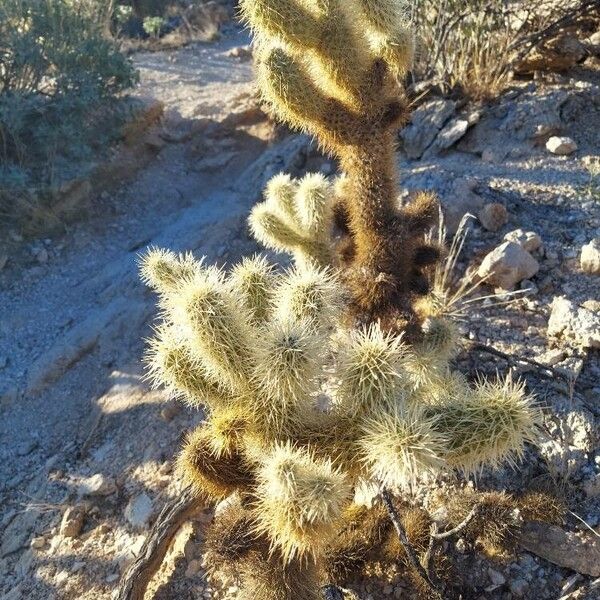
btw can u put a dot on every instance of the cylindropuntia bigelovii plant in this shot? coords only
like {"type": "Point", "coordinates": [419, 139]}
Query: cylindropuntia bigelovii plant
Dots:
{"type": "Point", "coordinates": [331, 68]}
{"type": "Point", "coordinates": [305, 406]}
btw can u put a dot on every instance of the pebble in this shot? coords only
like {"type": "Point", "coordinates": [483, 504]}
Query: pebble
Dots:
{"type": "Point", "coordinates": [139, 510]}
{"type": "Point", "coordinates": [72, 521]}
{"type": "Point", "coordinates": [97, 485]}
{"type": "Point", "coordinates": [493, 216]}
{"type": "Point", "coordinates": [519, 587]}
{"type": "Point", "coordinates": [590, 257]}
{"type": "Point", "coordinates": [528, 240]}
{"type": "Point", "coordinates": [38, 542]}
{"type": "Point", "coordinates": [496, 577]}
{"type": "Point", "coordinates": [170, 411]}
{"type": "Point", "coordinates": [562, 146]}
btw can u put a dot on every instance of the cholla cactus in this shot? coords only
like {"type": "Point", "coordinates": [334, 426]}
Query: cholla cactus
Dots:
{"type": "Point", "coordinates": [305, 406]}
{"type": "Point", "coordinates": [301, 411]}
{"type": "Point", "coordinates": [331, 68]}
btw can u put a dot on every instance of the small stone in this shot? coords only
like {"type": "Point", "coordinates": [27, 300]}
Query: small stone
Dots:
{"type": "Point", "coordinates": [242, 53]}
{"type": "Point", "coordinates": [507, 265]}
{"type": "Point", "coordinates": [561, 145]}
{"type": "Point", "coordinates": [496, 577]}
{"type": "Point", "coordinates": [574, 323]}
{"type": "Point", "coordinates": [553, 357]}
{"type": "Point", "coordinates": [38, 542]}
{"type": "Point", "coordinates": [519, 587]}
{"type": "Point", "coordinates": [112, 578]}
{"type": "Point", "coordinates": [72, 521]}
{"type": "Point", "coordinates": [42, 256]}
{"type": "Point", "coordinates": [461, 545]}
{"type": "Point", "coordinates": [528, 240]}
{"type": "Point", "coordinates": [493, 216]}
{"type": "Point", "coordinates": [97, 485]}
{"type": "Point", "coordinates": [193, 568]}
{"type": "Point", "coordinates": [170, 411]}
{"type": "Point", "coordinates": [139, 510]}
{"type": "Point", "coordinates": [3, 261]}
{"type": "Point", "coordinates": [591, 487]}
{"type": "Point", "coordinates": [388, 590]}
{"type": "Point", "coordinates": [590, 257]}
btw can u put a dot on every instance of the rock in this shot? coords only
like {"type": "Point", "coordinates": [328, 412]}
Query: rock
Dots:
{"type": "Point", "coordinates": [562, 146]}
{"type": "Point", "coordinates": [3, 261]}
{"type": "Point", "coordinates": [460, 201]}
{"type": "Point", "coordinates": [591, 487]}
{"type": "Point", "coordinates": [579, 551]}
{"type": "Point", "coordinates": [42, 256]}
{"type": "Point", "coordinates": [38, 542]}
{"type": "Point", "coordinates": [590, 257]}
{"type": "Point", "coordinates": [425, 124]}
{"type": "Point", "coordinates": [72, 521]}
{"type": "Point", "coordinates": [493, 216]}
{"type": "Point", "coordinates": [170, 410]}
{"type": "Point", "coordinates": [97, 485]}
{"type": "Point", "coordinates": [139, 510]}
{"type": "Point", "coordinates": [576, 324]}
{"type": "Point", "coordinates": [518, 587]}
{"type": "Point", "coordinates": [243, 53]}
{"type": "Point", "coordinates": [496, 578]}
{"type": "Point", "coordinates": [452, 132]}
{"type": "Point", "coordinates": [507, 265]}
{"type": "Point", "coordinates": [528, 240]}
{"type": "Point", "coordinates": [559, 54]}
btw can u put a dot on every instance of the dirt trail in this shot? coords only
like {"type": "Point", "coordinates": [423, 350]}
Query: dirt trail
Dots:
{"type": "Point", "coordinates": [72, 329]}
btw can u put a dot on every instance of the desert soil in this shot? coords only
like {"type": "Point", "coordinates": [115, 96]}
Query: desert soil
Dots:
{"type": "Point", "coordinates": [82, 433]}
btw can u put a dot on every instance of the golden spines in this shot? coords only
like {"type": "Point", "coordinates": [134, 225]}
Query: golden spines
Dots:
{"type": "Point", "coordinates": [216, 326]}
{"type": "Point", "coordinates": [171, 363]}
{"type": "Point", "coordinates": [163, 269]}
{"type": "Point", "coordinates": [296, 218]}
{"type": "Point", "coordinates": [299, 500]}
{"type": "Point", "coordinates": [487, 426]}
{"type": "Point", "coordinates": [310, 295]}
{"type": "Point", "coordinates": [369, 370]}
{"type": "Point", "coordinates": [214, 473]}
{"type": "Point", "coordinates": [287, 361]}
{"type": "Point", "coordinates": [398, 445]}
{"type": "Point", "coordinates": [252, 282]}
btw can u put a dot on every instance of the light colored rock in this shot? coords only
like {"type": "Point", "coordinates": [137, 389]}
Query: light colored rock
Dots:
{"type": "Point", "coordinates": [574, 323]}
{"type": "Point", "coordinates": [42, 256]}
{"type": "Point", "coordinates": [528, 240]}
{"type": "Point", "coordinates": [562, 146]}
{"type": "Point", "coordinates": [97, 485]}
{"type": "Point", "coordinates": [591, 487]}
{"type": "Point", "coordinates": [139, 510]}
{"type": "Point", "coordinates": [507, 265]}
{"type": "Point", "coordinates": [38, 542]}
{"type": "Point", "coordinates": [590, 257]}
{"type": "Point", "coordinates": [579, 551]}
{"type": "Point", "coordinates": [460, 201]}
{"type": "Point", "coordinates": [518, 587]}
{"type": "Point", "coordinates": [72, 521]}
{"type": "Point", "coordinates": [425, 124]}
{"type": "Point", "coordinates": [493, 216]}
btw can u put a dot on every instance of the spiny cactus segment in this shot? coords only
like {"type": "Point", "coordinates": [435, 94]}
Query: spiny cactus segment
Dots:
{"type": "Point", "coordinates": [331, 68]}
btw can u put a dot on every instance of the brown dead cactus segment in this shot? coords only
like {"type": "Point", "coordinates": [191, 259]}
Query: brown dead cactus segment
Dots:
{"type": "Point", "coordinates": [320, 73]}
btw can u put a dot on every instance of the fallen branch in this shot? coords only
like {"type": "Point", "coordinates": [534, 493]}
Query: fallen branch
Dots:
{"type": "Point", "coordinates": [410, 551]}
{"type": "Point", "coordinates": [435, 537]}
{"type": "Point", "coordinates": [175, 513]}
{"type": "Point", "coordinates": [545, 371]}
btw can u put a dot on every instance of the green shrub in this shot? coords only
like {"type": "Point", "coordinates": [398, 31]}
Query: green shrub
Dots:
{"type": "Point", "coordinates": [60, 80]}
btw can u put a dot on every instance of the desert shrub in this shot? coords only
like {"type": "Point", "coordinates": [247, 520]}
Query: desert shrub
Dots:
{"type": "Point", "coordinates": [60, 80]}
{"type": "Point", "coordinates": [471, 44]}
